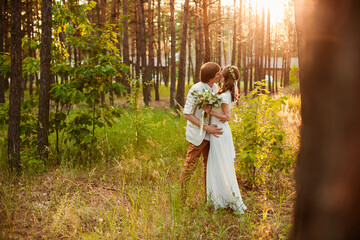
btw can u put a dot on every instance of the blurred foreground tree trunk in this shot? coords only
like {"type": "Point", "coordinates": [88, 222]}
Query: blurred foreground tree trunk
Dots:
{"type": "Point", "coordinates": [328, 165]}
{"type": "Point", "coordinates": [45, 79]}
{"type": "Point", "coordinates": [15, 88]}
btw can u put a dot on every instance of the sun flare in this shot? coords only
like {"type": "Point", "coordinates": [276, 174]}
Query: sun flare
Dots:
{"type": "Point", "coordinates": [276, 7]}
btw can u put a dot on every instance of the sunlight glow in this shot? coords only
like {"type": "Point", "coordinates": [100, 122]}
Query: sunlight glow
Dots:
{"type": "Point", "coordinates": [277, 7]}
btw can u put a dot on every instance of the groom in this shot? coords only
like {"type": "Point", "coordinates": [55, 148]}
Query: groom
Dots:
{"type": "Point", "coordinates": [210, 74]}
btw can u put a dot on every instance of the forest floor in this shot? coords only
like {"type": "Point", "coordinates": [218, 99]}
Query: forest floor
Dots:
{"type": "Point", "coordinates": [132, 192]}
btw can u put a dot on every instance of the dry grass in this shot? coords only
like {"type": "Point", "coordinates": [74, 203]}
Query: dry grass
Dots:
{"type": "Point", "coordinates": [75, 205]}
{"type": "Point", "coordinates": [135, 195]}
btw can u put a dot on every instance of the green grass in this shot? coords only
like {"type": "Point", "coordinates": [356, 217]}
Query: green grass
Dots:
{"type": "Point", "coordinates": [126, 186]}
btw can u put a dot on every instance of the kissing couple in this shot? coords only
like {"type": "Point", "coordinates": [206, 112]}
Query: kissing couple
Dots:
{"type": "Point", "coordinates": [215, 141]}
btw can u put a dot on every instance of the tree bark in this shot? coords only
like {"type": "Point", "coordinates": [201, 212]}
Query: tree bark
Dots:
{"type": "Point", "coordinates": [256, 45]}
{"type": "Point", "coordinates": [328, 166]}
{"type": "Point", "coordinates": [126, 50]}
{"type": "Point", "coordinates": [113, 18]}
{"type": "Point", "coordinates": [150, 65]}
{"type": "Point", "coordinates": [29, 35]}
{"type": "Point", "coordinates": [45, 79]}
{"type": "Point", "coordinates": [7, 24]}
{"type": "Point", "coordinates": [207, 54]}
{"type": "Point", "coordinates": [2, 33]}
{"type": "Point", "coordinates": [251, 40]}
{"type": "Point", "coordinates": [241, 66]}
{"type": "Point", "coordinates": [158, 71]}
{"type": "Point", "coordinates": [173, 62]}
{"type": "Point", "coordinates": [180, 92]}
{"type": "Point", "coordinates": [165, 36]}
{"type": "Point", "coordinates": [275, 70]}
{"type": "Point", "coordinates": [218, 39]}
{"type": "Point", "coordinates": [261, 50]}
{"type": "Point", "coordinates": [189, 54]}
{"type": "Point", "coordinates": [142, 49]}
{"type": "Point", "coordinates": [268, 43]}
{"type": "Point", "coordinates": [198, 44]}
{"type": "Point", "coordinates": [15, 88]}
{"type": "Point", "coordinates": [233, 54]}
{"type": "Point", "coordinates": [299, 23]}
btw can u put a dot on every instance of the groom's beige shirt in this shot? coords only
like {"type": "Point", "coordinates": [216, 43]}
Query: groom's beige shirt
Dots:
{"type": "Point", "coordinates": [192, 131]}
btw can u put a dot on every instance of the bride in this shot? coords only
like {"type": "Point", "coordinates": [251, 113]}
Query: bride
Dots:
{"type": "Point", "coordinates": [222, 188]}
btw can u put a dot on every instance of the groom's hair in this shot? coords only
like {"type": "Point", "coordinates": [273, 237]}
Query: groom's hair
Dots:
{"type": "Point", "coordinates": [208, 71]}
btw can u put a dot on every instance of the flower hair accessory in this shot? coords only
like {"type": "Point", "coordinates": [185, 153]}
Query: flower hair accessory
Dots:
{"type": "Point", "coordinates": [231, 70]}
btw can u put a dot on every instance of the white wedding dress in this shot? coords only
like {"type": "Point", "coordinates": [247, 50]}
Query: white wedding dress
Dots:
{"type": "Point", "coordinates": [222, 187]}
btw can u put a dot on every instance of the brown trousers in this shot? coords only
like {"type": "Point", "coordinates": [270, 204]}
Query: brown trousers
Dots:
{"type": "Point", "coordinates": [192, 157]}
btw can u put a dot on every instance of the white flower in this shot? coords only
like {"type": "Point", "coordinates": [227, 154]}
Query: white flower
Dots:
{"type": "Point", "coordinates": [206, 97]}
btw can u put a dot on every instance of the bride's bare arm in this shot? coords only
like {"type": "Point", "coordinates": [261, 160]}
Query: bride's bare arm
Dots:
{"type": "Point", "coordinates": [223, 117]}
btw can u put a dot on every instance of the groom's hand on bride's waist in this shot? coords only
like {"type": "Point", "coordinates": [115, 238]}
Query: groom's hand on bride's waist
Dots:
{"type": "Point", "coordinates": [213, 129]}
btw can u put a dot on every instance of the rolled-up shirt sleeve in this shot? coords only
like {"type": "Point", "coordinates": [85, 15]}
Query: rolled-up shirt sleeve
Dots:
{"type": "Point", "coordinates": [189, 104]}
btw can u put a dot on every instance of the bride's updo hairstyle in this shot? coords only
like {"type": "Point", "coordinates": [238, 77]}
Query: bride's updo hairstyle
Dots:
{"type": "Point", "coordinates": [208, 71]}
{"type": "Point", "coordinates": [231, 75]}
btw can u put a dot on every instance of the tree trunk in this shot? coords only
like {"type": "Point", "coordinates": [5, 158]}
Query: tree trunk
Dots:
{"type": "Point", "coordinates": [218, 39]}
{"type": "Point", "coordinates": [328, 166]}
{"type": "Point", "coordinates": [165, 35]}
{"type": "Point", "coordinates": [261, 50]}
{"type": "Point", "coordinates": [7, 20]}
{"type": "Point", "coordinates": [207, 55]}
{"type": "Point", "coordinates": [2, 33]}
{"type": "Point", "coordinates": [157, 83]}
{"type": "Point", "coordinates": [103, 13]}
{"type": "Point", "coordinates": [275, 70]}
{"type": "Point", "coordinates": [113, 18]}
{"type": "Point", "coordinates": [180, 92]}
{"type": "Point", "coordinates": [241, 66]}
{"type": "Point", "coordinates": [45, 79]}
{"type": "Point", "coordinates": [198, 44]}
{"type": "Point", "coordinates": [126, 51]}
{"type": "Point", "coordinates": [299, 22]}
{"type": "Point", "coordinates": [150, 66]}
{"type": "Point", "coordinates": [256, 47]}
{"type": "Point", "coordinates": [173, 62]}
{"type": "Point", "coordinates": [189, 54]}
{"type": "Point", "coordinates": [286, 68]}
{"type": "Point", "coordinates": [268, 50]}
{"type": "Point", "coordinates": [142, 48]}
{"type": "Point", "coordinates": [282, 69]}
{"type": "Point", "coordinates": [15, 88]}
{"type": "Point", "coordinates": [136, 41]}
{"type": "Point", "coordinates": [103, 19]}
{"type": "Point", "coordinates": [233, 54]}
{"type": "Point", "coordinates": [29, 33]}
{"type": "Point", "coordinates": [251, 39]}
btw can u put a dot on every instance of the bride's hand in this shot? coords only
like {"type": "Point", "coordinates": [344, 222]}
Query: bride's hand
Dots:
{"type": "Point", "coordinates": [207, 109]}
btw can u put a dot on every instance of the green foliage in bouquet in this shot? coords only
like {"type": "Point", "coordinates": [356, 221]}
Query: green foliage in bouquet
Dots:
{"type": "Point", "coordinates": [206, 97]}
{"type": "Point", "coordinates": [259, 138]}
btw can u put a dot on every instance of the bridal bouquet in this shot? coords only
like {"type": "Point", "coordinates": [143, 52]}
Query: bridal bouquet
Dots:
{"type": "Point", "coordinates": [205, 97]}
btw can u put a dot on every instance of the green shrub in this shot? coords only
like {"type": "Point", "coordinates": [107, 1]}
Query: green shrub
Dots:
{"type": "Point", "coordinates": [259, 138]}
{"type": "Point", "coordinates": [293, 78]}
